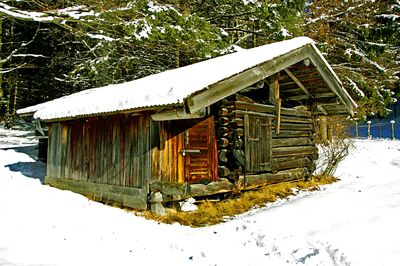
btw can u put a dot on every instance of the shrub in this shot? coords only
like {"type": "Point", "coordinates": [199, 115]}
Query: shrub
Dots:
{"type": "Point", "coordinates": [333, 142]}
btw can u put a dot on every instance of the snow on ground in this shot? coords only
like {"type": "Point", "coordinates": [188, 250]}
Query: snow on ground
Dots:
{"type": "Point", "coordinates": [21, 136]}
{"type": "Point", "coordinates": [352, 222]}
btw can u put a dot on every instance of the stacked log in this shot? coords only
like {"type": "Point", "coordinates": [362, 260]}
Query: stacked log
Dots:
{"type": "Point", "coordinates": [230, 133]}
{"type": "Point", "coordinates": [294, 146]}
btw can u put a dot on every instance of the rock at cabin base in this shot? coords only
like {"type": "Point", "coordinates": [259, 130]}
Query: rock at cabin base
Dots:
{"type": "Point", "coordinates": [158, 209]}
{"type": "Point", "coordinates": [156, 205]}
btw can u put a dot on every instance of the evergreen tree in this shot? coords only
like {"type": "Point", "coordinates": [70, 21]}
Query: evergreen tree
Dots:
{"type": "Point", "coordinates": [132, 41]}
{"type": "Point", "coordinates": [251, 23]}
{"type": "Point", "coordinates": [361, 39]}
{"type": "Point", "coordinates": [33, 57]}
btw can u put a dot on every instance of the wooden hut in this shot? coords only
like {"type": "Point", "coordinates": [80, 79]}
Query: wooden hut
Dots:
{"type": "Point", "coordinates": [237, 121]}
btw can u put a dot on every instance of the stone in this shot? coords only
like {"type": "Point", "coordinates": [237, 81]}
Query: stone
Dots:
{"type": "Point", "coordinates": [156, 197]}
{"type": "Point", "coordinates": [158, 209]}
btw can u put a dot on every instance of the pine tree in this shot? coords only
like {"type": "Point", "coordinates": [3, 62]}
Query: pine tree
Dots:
{"type": "Point", "coordinates": [130, 41]}
{"type": "Point", "coordinates": [361, 39]}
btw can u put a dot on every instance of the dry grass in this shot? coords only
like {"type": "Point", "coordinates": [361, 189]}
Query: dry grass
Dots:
{"type": "Point", "coordinates": [210, 213]}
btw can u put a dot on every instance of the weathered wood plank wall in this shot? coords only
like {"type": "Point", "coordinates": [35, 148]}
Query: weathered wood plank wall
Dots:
{"type": "Point", "coordinates": [186, 151]}
{"type": "Point", "coordinates": [266, 150]}
{"type": "Point", "coordinates": [115, 150]}
{"type": "Point", "coordinates": [168, 165]}
{"type": "Point", "coordinates": [258, 139]}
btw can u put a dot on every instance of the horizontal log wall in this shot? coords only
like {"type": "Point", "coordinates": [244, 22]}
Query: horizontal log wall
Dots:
{"type": "Point", "coordinates": [294, 146]}
{"type": "Point", "coordinates": [115, 150]}
{"type": "Point", "coordinates": [253, 181]}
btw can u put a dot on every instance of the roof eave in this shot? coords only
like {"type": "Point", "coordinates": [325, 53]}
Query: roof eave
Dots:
{"type": "Point", "coordinates": [133, 111]}
{"type": "Point", "coordinates": [331, 78]}
{"type": "Point", "coordinates": [218, 91]}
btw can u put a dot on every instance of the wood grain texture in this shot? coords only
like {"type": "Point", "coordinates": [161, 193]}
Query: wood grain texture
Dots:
{"type": "Point", "coordinates": [113, 151]}
{"type": "Point", "coordinates": [253, 181]}
{"type": "Point", "coordinates": [188, 151]}
{"type": "Point", "coordinates": [126, 196]}
{"type": "Point", "coordinates": [258, 143]}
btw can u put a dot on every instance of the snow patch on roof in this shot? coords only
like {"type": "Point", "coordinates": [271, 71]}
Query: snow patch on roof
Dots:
{"type": "Point", "coordinates": [167, 88]}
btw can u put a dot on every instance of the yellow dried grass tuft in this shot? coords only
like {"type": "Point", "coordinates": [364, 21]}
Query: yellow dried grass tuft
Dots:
{"type": "Point", "coordinates": [210, 213]}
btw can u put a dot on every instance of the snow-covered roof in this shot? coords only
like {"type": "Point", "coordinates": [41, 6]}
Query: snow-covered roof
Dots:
{"type": "Point", "coordinates": [169, 88]}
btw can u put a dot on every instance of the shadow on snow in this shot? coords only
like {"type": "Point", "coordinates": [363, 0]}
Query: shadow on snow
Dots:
{"type": "Point", "coordinates": [36, 170]}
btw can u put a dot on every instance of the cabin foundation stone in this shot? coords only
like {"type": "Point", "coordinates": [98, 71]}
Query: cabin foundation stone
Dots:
{"type": "Point", "coordinates": [156, 205]}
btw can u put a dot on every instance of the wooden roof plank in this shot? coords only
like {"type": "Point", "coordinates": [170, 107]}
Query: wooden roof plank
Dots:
{"type": "Point", "coordinates": [301, 86]}
{"type": "Point", "coordinates": [330, 78]}
{"type": "Point", "coordinates": [243, 80]}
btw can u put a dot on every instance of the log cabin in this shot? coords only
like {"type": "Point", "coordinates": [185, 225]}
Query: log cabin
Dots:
{"type": "Point", "coordinates": [237, 121]}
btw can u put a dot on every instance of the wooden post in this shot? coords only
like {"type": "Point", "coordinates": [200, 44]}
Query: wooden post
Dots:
{"type": "Point", "coordinates": [278, 114]}
{"type": "Point", "coordinates": [356, 130]}
{"type": "Point", "coordinates": [392, 124]}
{"type": "Point", "coordinates": [323, 132]}
{"type": "Point", "coordinates": [379, 129]}
{"type": "Point", "coordinates": [274, 98]}
{"type": "Point", "coordinates": [369, 129]}
{"type": "Point", "coordinates": [329, 132]}
{"type": "Point", "coordinates": [273, 88]}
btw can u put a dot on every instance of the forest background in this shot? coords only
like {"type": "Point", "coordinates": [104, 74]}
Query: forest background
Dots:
{"type": "Point", "coordinates": [53, 48]}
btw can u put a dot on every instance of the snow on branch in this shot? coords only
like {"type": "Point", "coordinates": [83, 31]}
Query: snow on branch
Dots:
{"type": "Point", "coordinates": [15, 52]}
{"type": "Point", "coordinates": [27, 15]}
{"type": "Point", "coordinates": [100, 37]}
{"type": "Point", "coordinates": [30, 55]}
{"type": "Point", "coordinates": [356, 88]}
{"type": "Point", "coordinates": [333, 17]}
{"type": "Point", "coordinates": [76, 13]}
{"type": "Point", "coordinates": [360, 53]}
{"type": "Point", "coordinates": [160, 8]}
{"type": "Point", "coordinates": [8, 70]}
{"type": "Point", "coordinates": [392, 17]}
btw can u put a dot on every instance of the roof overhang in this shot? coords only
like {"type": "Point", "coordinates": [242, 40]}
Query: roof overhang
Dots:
{"type": "Point", "coordinates": [234, 84]}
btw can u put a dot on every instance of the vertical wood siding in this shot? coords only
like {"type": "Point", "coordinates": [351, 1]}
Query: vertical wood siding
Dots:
{"type": "Point", "coordinates": [258, 148]}
{"type": "Point", "coordinates": [201, 165]}
{"type": "Point", "coordinates": [114, 150]}
{"type": "Point", "coordinates": [169, 163]}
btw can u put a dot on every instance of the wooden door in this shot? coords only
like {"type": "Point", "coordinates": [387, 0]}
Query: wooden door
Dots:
{"type": "Point", "coordinates": [258, 143]}
{"type": "Point", "coordinates": [200, 152]}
